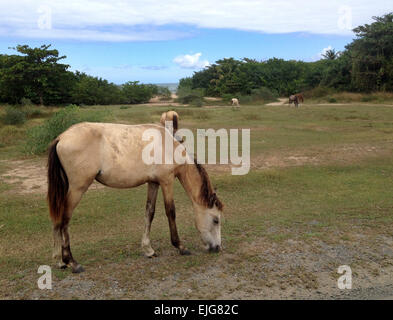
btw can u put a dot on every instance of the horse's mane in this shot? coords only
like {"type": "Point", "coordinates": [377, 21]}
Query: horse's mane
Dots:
{"type": "Point", "coordinates": [207, 194]}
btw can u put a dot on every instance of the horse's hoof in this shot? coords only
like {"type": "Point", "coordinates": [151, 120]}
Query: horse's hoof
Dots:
{"type": "Point", "coordinates": [185, 252]}
{"type": "Point", "coordinates": [62, 265]}
{"type": "Point", "coordinates": [154, 255]}
{"type": "Point", "coordinates": [78, 269]}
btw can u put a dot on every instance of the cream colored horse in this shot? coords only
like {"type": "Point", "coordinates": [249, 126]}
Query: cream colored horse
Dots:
{"type": "Point", "coordinates": [235, 102]}
{"type": "Point", "coordinates": [112, 155]}
{"type": "Point", "coordinates": [171, 116]}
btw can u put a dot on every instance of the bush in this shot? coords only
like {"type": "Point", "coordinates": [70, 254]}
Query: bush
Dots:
{"type": "Point", "coordinates": [244, 99]}
{"type": "Point", "coordinates": [138, 93]}
{"type": "Point", "coordinates": [26, 102]}
{"type": "Point", "coordinates": [14, 116]}
{"type": "Point", "coordinates": [263, 94]}
{"type": "Point", "coordinates": [332, 100]}
{"type": "Point", "coordinates": [318, 92]}
{"type": "Point", "coordinates": [368, 98]}
{"type": "Point", "coordinates": [32, 111]}
{"type": "Point", "coordinates": [227, 97]}
{"type": "Point", "coordinates": [164, 93]}
{"type": "Point", "coordinates": [10, 134]}
{"type": "Point", "coordinates": [39, 137]}
{"type": "Point", "coordinates": [193, 97]}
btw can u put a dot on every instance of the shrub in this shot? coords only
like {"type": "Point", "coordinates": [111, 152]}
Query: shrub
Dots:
{"type": "Point", "coordinates": [10, 134]}
{"type": "Point", "coordinates": [164, 93]}
{"type": "Point", "coordinates": [244, 99]}
{"type": "Point", "coordinates": [32, 111]}
{"type": "Point", "coordinates": [263, 94]}
{"type": "Point", "coordinates": [14, 116]}
{"type": "Point", "coordinates": [318, 92]}
{"type": "Point", "coordinates": [332, 100]}
{"type": "Point", "coordinates": [368, 98]}
{"type": "Point", "coordinates": [134, 92]}
{"type": "Point", "coordinates": [26, 102]}
{"type": "Point", "coordinates": [193, 97]}
{"type": "Point", "coordinates": [227, 97]}
{"type": "Point", "coordinates": [39, 137]}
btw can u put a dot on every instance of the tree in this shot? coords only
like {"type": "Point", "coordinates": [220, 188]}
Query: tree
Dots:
{"type": "Point", "coordinates": [12, 82]}
{"type": "Point", "coordinates": [137, 93]}
{"type": "Point", "coordinates": [331, 54]}
{"type": "Point", "coordinates": [38, 67]}
{"type": "Point", "coordinates": [372, 55]}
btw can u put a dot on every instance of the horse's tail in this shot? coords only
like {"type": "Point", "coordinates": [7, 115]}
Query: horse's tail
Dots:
{"type": "Point", "coordinates": [57, 185]}
{"type": "Point", "coordinates": [175, 123]}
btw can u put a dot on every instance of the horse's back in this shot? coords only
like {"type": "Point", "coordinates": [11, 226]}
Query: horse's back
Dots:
{"type": "Point", "coordinates": [111, 151]}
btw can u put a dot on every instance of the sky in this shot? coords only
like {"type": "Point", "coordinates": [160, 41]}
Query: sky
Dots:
{"type": "Point", "coordinates": [162, 41]}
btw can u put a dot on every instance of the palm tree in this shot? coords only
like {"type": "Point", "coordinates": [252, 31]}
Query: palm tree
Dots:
{"type": "Point", "coordinates": [331, 54]}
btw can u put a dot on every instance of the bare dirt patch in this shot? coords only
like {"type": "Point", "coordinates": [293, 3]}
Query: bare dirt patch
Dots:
{"type": "Point", "coordinates": [29, 176]}
{"type": "Point", "coordinates": [261, 269]}
{"type": "Point", "coordinates": [281, 102]}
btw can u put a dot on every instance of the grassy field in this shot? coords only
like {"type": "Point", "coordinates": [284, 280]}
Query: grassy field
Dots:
{"type": "Point", "coordinates": [319, 195]}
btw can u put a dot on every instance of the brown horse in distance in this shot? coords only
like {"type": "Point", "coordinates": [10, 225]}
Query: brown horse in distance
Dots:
{"type": "Point", "coordinates": [293, 99]}
{"type": "Point", "coordinates": [300, 97]}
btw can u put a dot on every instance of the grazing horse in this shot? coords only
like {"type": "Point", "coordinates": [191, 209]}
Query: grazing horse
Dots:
{"type": "Point", "coordinates": [113, 154]}
{"type": "Point", "coordinates": [171, 116]}
{"type": "Point", "coordinates": [293, 99]}
{"type": "Point", "coordinates": [170, 120]}
{"type": "Point", "coordinates": [300, 97]}
{"type": "Point", "coordinates": [235, 102]}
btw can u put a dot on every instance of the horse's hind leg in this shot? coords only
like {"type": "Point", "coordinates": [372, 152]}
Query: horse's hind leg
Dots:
{"type": "Point", "coordinates": [152, 190]}
{"type": "Point", "coordinates": [74, 196]}
{"type": "Point", "coordinates": [58, 241]}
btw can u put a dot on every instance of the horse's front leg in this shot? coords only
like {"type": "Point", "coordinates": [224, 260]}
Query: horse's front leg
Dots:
{"type": "Point", "coordinates": [152, 190]}
{"type": "Point", "coordinates": [167, 191]}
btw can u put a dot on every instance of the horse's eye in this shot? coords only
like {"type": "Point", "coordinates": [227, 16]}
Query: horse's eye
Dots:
{"type": "Point", "coordinates": [215, 220]}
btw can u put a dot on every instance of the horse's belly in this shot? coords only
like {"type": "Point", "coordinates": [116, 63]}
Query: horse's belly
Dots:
{"type": "Point", "coordinates": [118, 177]}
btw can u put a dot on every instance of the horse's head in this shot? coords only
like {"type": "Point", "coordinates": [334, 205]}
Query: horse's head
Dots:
{"type": "Point", "coordinates": [208, 223]}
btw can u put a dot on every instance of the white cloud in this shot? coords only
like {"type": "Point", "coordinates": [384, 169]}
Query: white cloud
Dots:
{"type": "Point", "coordinates": [324, 50]}
{"type": "Point", "coordinates": [120, 20]}
{"type": "Point", "coordinates": [191, 61]}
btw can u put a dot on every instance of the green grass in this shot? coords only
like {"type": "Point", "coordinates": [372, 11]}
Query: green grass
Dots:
{"type": "Point", "coordinates": [327, 201]}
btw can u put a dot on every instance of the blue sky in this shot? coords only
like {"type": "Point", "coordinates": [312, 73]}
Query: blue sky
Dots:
{"type": "Point", "coordinates": [154, 42]}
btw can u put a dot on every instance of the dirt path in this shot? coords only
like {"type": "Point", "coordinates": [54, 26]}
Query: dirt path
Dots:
{"type": "Point", "coordinates": [281, 102]}
{"type": "Point", "coordinates": [29, 176]}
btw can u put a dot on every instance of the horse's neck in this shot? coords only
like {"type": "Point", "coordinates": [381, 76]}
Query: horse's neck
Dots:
{"type": "Point", "coordinates": [191, 181]}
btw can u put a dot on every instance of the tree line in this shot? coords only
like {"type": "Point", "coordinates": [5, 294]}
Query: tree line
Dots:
{"type": "Point", "coordinates": [37, 75]}
{"type": "Point", "coordinates": [365, 65]}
